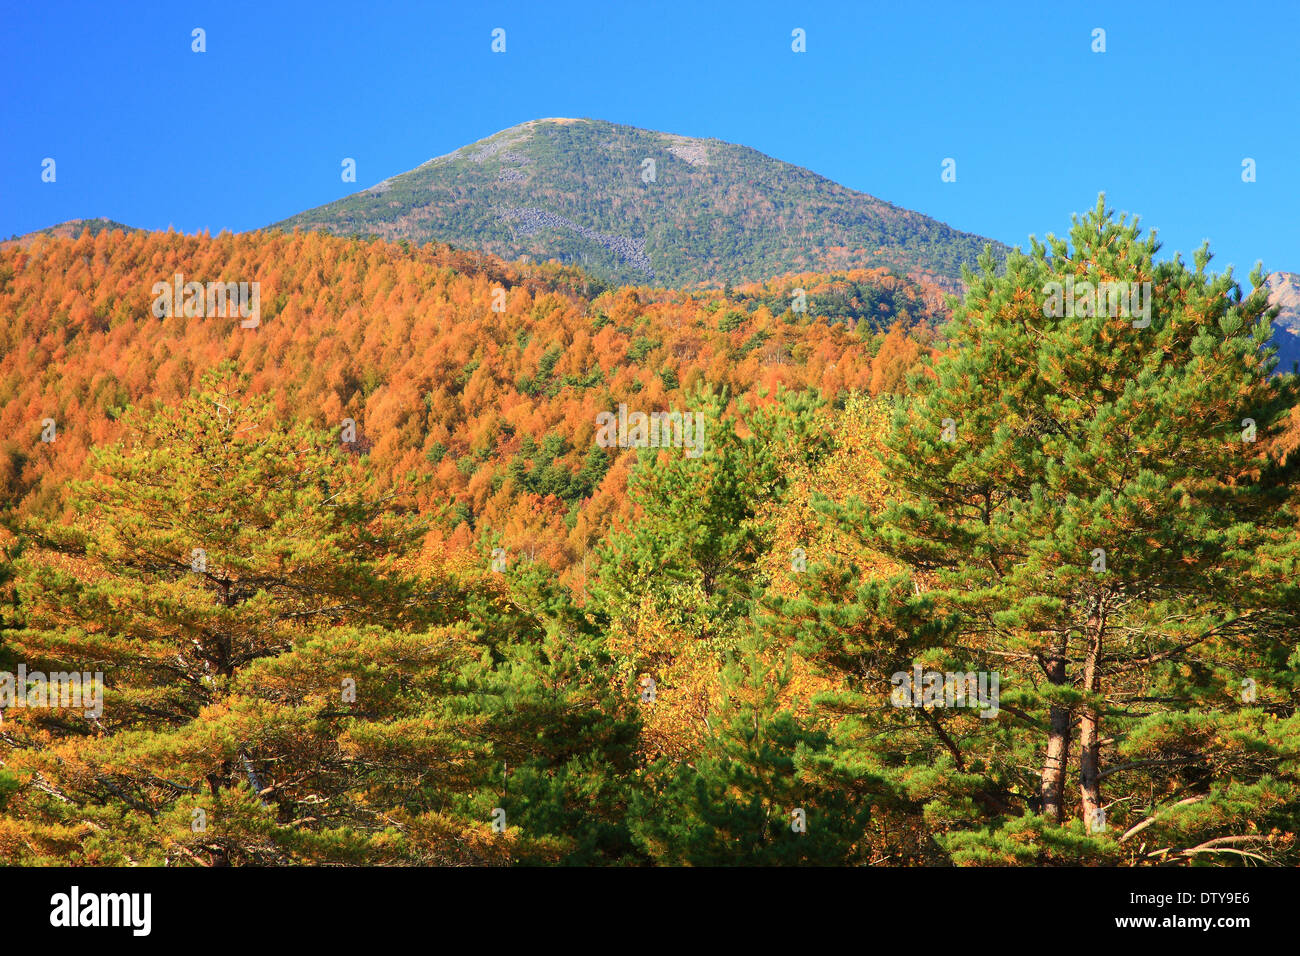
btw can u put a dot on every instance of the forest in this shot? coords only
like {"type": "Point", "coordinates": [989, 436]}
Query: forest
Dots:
{"type": "Point", "coordinates": [950, 580]}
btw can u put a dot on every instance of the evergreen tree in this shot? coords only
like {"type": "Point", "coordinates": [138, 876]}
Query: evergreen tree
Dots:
{"type": "Point", "coordinates": [859, 618]}
{"type": "Point", "coordinates": [689, 561]}
{"type": "Point", "coordinates": [675, 590]}
{"type": "Point", "coordinates": [558, 733]}
{"type": "Point", "coordinates": [216, 542]}
{"type": "Point", "coordinates": [762, 790]}
{"type": "Point", "coordinates": [1088, 497]}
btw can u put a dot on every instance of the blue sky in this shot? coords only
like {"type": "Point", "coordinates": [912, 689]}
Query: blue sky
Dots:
{"type": "Point", "coordinates": [149, 133]}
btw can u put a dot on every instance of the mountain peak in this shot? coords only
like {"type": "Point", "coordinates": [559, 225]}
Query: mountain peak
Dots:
{"type": "Point", "coordinates": [642, 206]}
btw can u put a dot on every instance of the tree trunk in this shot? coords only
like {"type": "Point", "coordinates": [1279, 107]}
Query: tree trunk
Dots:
{"type": "Point", "coordinates": [1090, 723]}
{"type": "Point", "coordinates": [1058, 737]}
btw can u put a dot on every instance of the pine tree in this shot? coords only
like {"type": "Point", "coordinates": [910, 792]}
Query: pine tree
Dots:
{"type": "Point", "coordinates": [858, 618]}
{"type": "Point", "coordinates": [762, 790]}
{"type": "Point", "coordinates": [225, 574]}
{"type": "Point", "coordinates": [675, 590]}
{"type": "Point", "coordinates": [556, 729]}
{"type": "Point", "coordinates": [1088, 496]}
{"type": "Point", "coordinates": [9, 547]}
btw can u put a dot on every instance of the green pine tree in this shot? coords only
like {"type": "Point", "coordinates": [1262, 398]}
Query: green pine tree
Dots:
{"type": "Point", "coordinates": [690, 561]}
{"type": "Point", "coordinates": [557, 729]}
{"type": "Point", "coordinates": [215, 556]}
{"type": "Point", "coordinates": [762, 791]}
{"type": "Point", "coordinates": [1088, 496]}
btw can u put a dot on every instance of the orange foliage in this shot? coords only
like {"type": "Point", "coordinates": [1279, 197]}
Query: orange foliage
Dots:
{"type": "Point", "coordinates": [444, 391]}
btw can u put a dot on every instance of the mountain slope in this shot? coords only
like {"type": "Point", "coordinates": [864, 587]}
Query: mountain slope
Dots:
{"type": "Point", "coordinates": [72, 229]}
{"type": "Point", "coordinates": [495, 411]}
{"type": "Point", "coordinates": [1284, 292]}
{"type": "Point", "coordinates": [577, 191]}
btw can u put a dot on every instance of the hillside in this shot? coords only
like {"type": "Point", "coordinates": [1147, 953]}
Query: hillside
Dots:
{"type": "Point", "coordinates": [494, 410]}
{"type": "Point", "coordinates": [576, 190]}
{"type": "Point", "coordinates": [72, 229]}
{"type": "Point", "coordinates": [368, 579]}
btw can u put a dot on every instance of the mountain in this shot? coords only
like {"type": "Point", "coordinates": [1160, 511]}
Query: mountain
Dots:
{"type": "Point", "coordinates": [643, 207]}
{"type": "Point", "coordinates": [74, 228]}
{"type": "Point", "coordinates": [1284, 292]}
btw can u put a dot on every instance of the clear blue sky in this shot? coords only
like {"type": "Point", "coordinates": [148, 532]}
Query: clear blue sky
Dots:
{"type": "Point", "coordinates": [146, 132]}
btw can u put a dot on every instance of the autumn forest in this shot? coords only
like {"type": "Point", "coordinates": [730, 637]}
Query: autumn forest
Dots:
{"type": "Point", "coordinates": [447, 559]}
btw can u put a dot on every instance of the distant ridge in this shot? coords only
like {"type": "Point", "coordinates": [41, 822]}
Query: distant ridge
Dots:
{"type": "Point", "coordinates": [72, 229]}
